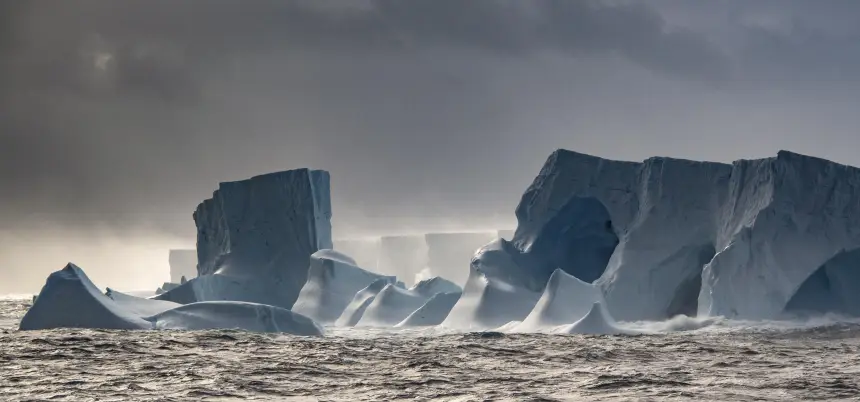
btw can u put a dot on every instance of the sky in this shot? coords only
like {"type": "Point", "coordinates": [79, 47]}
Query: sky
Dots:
{"type": "Point", "coordinates": [118, 117]}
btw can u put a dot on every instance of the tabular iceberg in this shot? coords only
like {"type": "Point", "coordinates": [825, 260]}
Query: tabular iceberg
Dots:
{"type": "Point", "coordinates": [258, 235]}
{"type": "Point", "coordinates": [737, 240]}
{"type": "Point", "coordinates": [333, 280]}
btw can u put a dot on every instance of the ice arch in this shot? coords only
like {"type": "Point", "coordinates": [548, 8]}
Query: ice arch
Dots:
{"type": "Point", "coordinates": [832, 288]}
{"type": "Point", "coordinates": [579, 240]}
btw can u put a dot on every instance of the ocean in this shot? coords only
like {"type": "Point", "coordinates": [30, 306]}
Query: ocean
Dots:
{"type": "Point", "coordinates": [685, 359]}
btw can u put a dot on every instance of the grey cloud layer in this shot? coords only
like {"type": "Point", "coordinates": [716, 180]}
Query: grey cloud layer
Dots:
{"type": "Point", "coordinates": [132, 111]}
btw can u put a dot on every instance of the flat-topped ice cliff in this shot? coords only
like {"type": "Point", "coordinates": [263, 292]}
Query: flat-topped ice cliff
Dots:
{"type": "Point", "coordinates": [257, 235]}
{"type": "Point", "coordinates": [737, 240]}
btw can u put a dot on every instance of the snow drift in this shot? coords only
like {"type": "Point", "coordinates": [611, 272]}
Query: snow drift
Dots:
{"type": "Point", "coordinates": [333, 280]}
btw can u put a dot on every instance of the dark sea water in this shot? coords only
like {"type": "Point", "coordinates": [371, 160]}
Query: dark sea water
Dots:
{"type": "Point", "coordinates": [720, 361]}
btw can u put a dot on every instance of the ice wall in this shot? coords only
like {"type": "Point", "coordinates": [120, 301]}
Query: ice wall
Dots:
{"type": "Point", "coordinates": [785, 217]}
{"type": "Point", "coordinates": [183, 263]}
{"type": "Point", "coordinates": [743, 236]}
{"type": "Point", "coordinates": [262, 231]}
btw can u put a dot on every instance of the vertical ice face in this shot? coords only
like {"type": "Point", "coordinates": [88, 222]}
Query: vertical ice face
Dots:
{"type": "Point", "coordinates": [692, 237]}
{"type": "Point", "coordinates": [785, 218]}
{"type": "Point", "coordinates": [182, 263]}
{"type": "Point", "coordinates": [262, 231]}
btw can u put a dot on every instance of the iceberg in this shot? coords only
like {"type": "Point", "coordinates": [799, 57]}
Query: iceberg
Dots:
{"type": "Point", "coordinates": [333, 279]}
{"type": "Point", "coordinates": [183, 264]}
{"type": "Point", "coordinates": [490, 300]}
{"type": "Point", "coordinates": [257, 235]}
{"type": "Point", "coordinates": [447, 253]}
{"type": "Point", "coordinates": [235, 315]}
{"type": "Point", "coordinates": [433, 312]}
{"type": "Point", "coordinates": [355, 309]}
{"type": "Point", "coordinates": [390, 306]}
{"type": "Point", "coordinates": [434, 285]}
{"type": "Point", "coordinates": [565, 300]}
{"type": "Point", "coordinates": [139, 306]}
{"type": "Point", "coordinates": [736, 240]}
{"type": "Point", "coordinates": [70, 300]}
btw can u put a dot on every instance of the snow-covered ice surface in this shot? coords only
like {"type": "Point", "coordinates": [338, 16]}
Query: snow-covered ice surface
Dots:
{"type": "Point", "coordinates": [360, 301]}
{"type": "Point", "coordinates": [235, 315]}
{"type": "Point", "coordinates": [333, 280]}
{"type": "Point", "coordinates": [390, 306]}
{"type": "Point", "coordinates": [565, 300]}
{"type": "Point", "coordinates": [721, 360]}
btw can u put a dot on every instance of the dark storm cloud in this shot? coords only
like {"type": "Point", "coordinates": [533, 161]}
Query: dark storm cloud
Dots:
{"type": "Point", "coordinates": [117, 108]}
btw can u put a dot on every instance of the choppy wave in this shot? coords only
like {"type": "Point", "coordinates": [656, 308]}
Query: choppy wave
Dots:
{"type": "Point", "coordinates": [680, 359]}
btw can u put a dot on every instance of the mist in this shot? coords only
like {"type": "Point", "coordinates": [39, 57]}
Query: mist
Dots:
{"type": "Point", "coordinates": [118, 118]}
